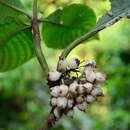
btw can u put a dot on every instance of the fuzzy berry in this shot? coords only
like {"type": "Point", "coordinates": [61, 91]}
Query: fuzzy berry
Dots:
{"type": "Point", "coordinates": [55, 91]}
{"type": "Point", "coordinates": [90, 76]}
{"type": "Point", "coordinates": [54, 76]}
{"type": "Point", "coordinates": [80, 99]}
{"type": "Point", "coordinates": [81, 89]}
{"type": "Point", "coordinates": [73, 88]}
{"type": "Point", "coordinates": [90, 99]}
{"type": "Point", "coordinates": [82, 106]}
{"type": "Point", "coordinates": [100, 77]}
{"type": "Point", "coordinates": [70, 103]}
{"type": "Point", "coordinates": [57, 112]}
{"type": "Point", "coordinates": [97, 92]}
{"type": "Point", "coordinates": [70, 113]}
{"type": "Point", "coordinates": [53, 102]}
{"type": "Point", "coordinates": [74, 63]}
{"type": "Point", "coordinates": [63, 90]}
{"type": "Point", "coordinates": [88, 87]}
{"type": "Point", "coordinates": [62, 65]}
{"type": "Point", "coordinates": [61, 102]}
{"type": "Point", "coordinates": [91, 63]}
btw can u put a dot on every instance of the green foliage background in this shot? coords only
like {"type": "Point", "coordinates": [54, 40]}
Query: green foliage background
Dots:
{"type": "Point", "coordinates": [24, 96]}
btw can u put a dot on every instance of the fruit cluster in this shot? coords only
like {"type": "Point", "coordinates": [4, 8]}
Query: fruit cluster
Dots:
{"type": "Point", "coordinates": [71, 88]}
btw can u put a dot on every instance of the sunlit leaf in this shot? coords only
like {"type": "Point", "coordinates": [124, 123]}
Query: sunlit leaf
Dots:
{"type": "Point", "coordinates": [78, 19]}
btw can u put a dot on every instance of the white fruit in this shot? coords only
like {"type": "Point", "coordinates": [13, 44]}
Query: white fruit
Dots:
{"type": "Point", "coordinates": [61, 102]}
{"type": "Point", "coordinates": [82, 106]}
{"type": "Point", "coordinates": [73, 88]}
{"type": "Point", "coordinates": [100, 77]}
{"type": "Point", "coordinates": [70, 113]}
{"type": "Point", "coordinates": [63, 90]}
{"type": "Point", "coordinates": [98, 86]}
{"type": "Point", "coordinates": [90, 99]}
{"type": "Point", "coordinates": [74, 63]}
{"type": "Point", "coordinates": [54, 75]}
{"type": "Point", "coordinates": [88, 87]}
{"type": "Point", "coordinates": [53, 101]}
{"type": "Point", "coordinates": [57, 112]}
{"type": "Point", "coordinates": [88, 68]}
{"type": "Point", "coordinates": [91, 63]}
{"type": "Point", "coordinates": [81, 89]}
{"type": "Point", "coordinates": [62, 65]}
{"type": "Point", "coordinates": [55, 91]}
{"type": "Point", "coordinates": [90, 76]}
{"type": "Point", "coordinates": [80, 99]}
{"type": "Point", "coordinates": [70, 103]}
{"type": "Point", "coordinates": [97, 92]}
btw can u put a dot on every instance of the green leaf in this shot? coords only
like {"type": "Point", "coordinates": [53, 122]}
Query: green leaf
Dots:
{"type": "Point", "coordinates": [119, 9]}
{"type": "Point", "coordinates": [8, 14]}
{"type": "Point", "coordinates": [16, 40]}
{"type": "Point", "coordinates": [15, 49]}
{"type": "Point", "coordinates": [78, 19]}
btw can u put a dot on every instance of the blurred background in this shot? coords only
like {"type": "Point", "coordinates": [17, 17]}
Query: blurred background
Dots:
{"type": "Point", "coordinates": [24, 95]}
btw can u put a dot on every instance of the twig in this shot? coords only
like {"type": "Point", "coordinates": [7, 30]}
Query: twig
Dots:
{"type": "Point", "coordinates": [48, 123]}
{"type": "Point", "coordinates": [79, 40]}
{"type": "Point", "coordinates": [37, 40]}
{"type": "Point", "coordinates": [56, 23]}
{"type": "Point", "coordinates": [15, 8]}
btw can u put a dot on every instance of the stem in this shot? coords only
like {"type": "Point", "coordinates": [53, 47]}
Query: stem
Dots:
{"type": "Point", "coordinates": [15, 8]}
{"type": "Point", "coordinates": [48, 123]}
{"type": "Point", "coordinates": [56, 23]}
{"type": "Point", "coordinates": [75, 43]}
{"type": "Point", "coordinates": [37, 40]}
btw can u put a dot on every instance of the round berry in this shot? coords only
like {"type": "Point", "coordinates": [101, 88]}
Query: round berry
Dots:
{"type": "Point", "coordinates": [54, 76]}
{"type": "Point", "coordinates": [90, 76]}
{"type": "Point", "coordinates": [57, 112]}
{"type": "Point", "coordinates": [97, 92]}
{"type": "Point", "coordinates": [74, 63]}
{"type": "Point", "coordinates": [90, 99]}
{"type": "Point", "coordinates": [70, 113]}
{"type": "Point", "coordinates": [70, 103]}
{"type": "Point", "coordinates": [82, 106]}
{"type": "Point", "coordinates": [73, 88]}
{"type": "Point", "coordinates": [55, 91]}
{"type": "Point", "coordinates": [61, 102]}
{"type": "Point", "coordinates": [91, 63]}
{"type": "Point", "coordinates": [88, 87]}
{"type": "Point", "coordinates": [63, 90]}
{"type": "Point", "coordinates": [62, 65]}
{"type": "Point", "coordinates": [53, 101]}
{"type": "Point", "coordinates": [80, 99]}
{"type": "Point", "coordinates": [81, 89]}
{"type": "Point", "coordinates": [100, 77]}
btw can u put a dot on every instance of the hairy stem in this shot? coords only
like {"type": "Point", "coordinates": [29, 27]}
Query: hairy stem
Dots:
{"type": "Point", "coordinates": [15, 8]}
{"type": "Point", "coordinates": [37, 41]}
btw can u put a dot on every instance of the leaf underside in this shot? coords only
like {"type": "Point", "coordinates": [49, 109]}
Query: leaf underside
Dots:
{"type": "Point", "coordinates": [16, 43]}
{"type": "Point", "coordinates": [78, 20]}
{"type": "Point", "coordinates": [119, 9]}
